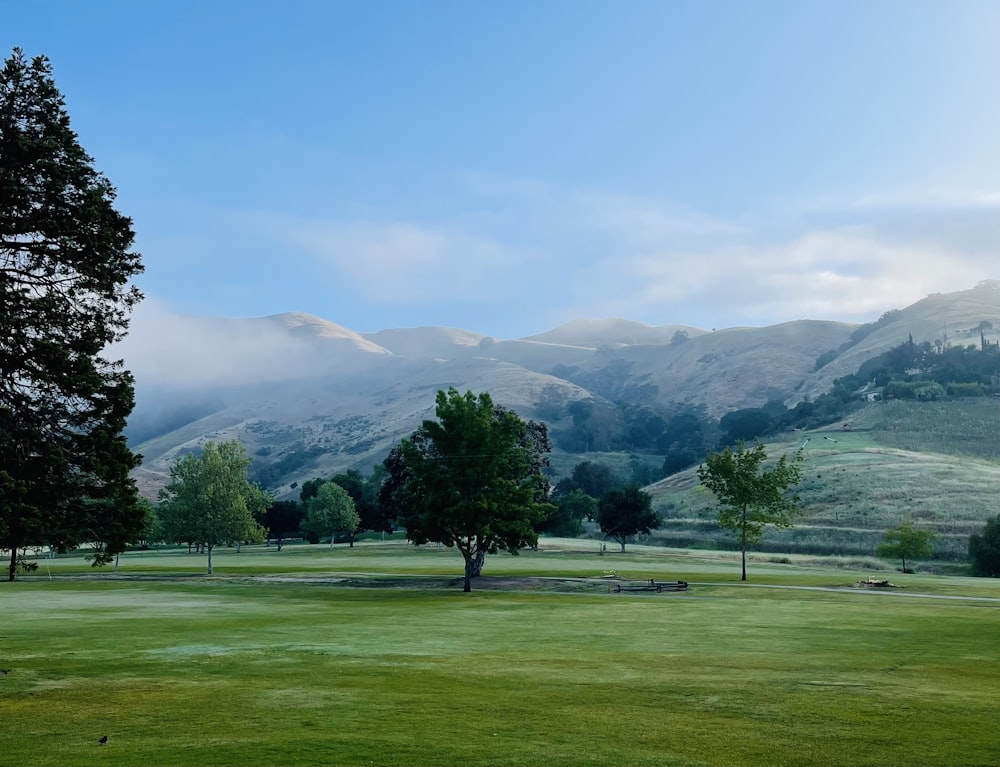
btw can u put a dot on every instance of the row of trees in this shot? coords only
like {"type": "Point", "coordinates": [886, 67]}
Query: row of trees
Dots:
{"type": "Point", "coordinates": [456, 489]}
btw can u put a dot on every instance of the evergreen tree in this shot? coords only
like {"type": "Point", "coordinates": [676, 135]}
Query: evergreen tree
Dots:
{"type": "Point", "coordinates": [65, 268]}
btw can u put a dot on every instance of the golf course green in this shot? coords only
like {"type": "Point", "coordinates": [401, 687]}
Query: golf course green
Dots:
{"type": "Point", "coordinates": [373, 656]}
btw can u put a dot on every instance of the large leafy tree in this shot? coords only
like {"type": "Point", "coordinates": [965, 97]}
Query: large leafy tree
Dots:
{"type": "Point", "coordinates": [566, 519]}
{"type": "Point", "coordinates": [210, 501]}
{"type": "Point", "coordinates": [282, 519]}
{"type": "Point", "coordinates": [624, 513]}
{"type": "Point", "coordinates": [471, 480]}
{"type": "Point", "coordinates": [363, 491]}
{"type": "Point", "coordinates": [595, 479]}
{"type": "Point", "coordinates": [906, 541]}
{"type": "Point", "coordinates": [66, 262]}
{"type": "Point", "coordinates": [330, 511]}
{"type": "Point", "coordinates": [984, 549]}
{"type": "Point", "coordinates": [751, 496]}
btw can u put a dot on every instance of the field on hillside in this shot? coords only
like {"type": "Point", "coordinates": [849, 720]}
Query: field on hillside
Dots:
{"type": "Point", "coordinates": [373, 655]}
{"type": "Point", "coordinates": [934, 463]}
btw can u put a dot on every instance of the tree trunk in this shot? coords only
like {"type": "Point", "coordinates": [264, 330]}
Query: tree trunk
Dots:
{"type": "Point", "coordinates": [469, 566]}
{"type": "Point", "coordinates": [478, 561]}
{"type": "Point", "coordinates": [622, 542]}
{"type": "Point", "coordinates": [279, 543]}
{"type": "Point", "coordinates": [209, 547]}
{"type": "Point", "coordinates": [12, 571]}
{"type": "Point", "coordinates": [743, 543]}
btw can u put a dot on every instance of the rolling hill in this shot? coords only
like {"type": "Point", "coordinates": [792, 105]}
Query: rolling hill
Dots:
{"type": "Point", "coordinates": [310, 398]}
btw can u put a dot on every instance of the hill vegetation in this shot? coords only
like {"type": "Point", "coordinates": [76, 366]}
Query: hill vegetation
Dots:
{"type": "Point", "coordinates": [912, 412]}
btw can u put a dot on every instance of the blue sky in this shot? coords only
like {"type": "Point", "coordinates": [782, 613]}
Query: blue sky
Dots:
{"type": "Point", "coordinates": [504, 167]}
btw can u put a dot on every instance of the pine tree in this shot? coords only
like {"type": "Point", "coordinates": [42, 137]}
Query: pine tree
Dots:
{"type": "Point", "coordinates": [65, 269]}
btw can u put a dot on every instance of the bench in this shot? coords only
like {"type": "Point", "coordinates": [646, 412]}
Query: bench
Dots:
{"type": "Point", "coordinates": [653, 585]}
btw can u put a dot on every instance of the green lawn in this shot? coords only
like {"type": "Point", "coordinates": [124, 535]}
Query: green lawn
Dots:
{"type": "Point", "coordinates": [240, 670]}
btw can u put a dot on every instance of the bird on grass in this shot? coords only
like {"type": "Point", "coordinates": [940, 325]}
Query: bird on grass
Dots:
{"type": "Point", "coordinates": [102, 740]}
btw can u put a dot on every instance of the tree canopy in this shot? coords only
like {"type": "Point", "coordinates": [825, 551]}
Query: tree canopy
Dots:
{"type": "Point", "coordinates": [625, 513]}
{"type": "Point", "coordinates": [749, 495]}
{"type": "Point", "coordinates": [66, 262]}
{"type": "Point", "coordinates": [281, 519]}
{"type": "Point", "coordinates": [471, 480]}
{"type": "Point", "coordinates": [593, 478]}
{"type": "Point", "coordinates": [330, 511]}
{"type": "Point", "coordinates": [210, 501]}
{"type": "Point", "coordinates": [364, 492]}
{"type": "Point", "coordinates": [984, 549]}
{"type": "Point", "coordinates": [566, 518]}
{"type": "Point", "coordinates": [906, 542]}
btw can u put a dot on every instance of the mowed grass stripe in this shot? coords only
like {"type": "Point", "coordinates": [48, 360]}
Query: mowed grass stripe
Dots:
{"type": "Point", "coordinates": [215, 672]}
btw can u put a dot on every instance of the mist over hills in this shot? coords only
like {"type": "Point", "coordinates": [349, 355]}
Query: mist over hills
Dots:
{"type": "Point", "coordinates": [309, 397]}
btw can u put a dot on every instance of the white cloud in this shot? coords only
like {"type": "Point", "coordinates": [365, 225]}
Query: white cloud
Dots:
{"type": "Point", "coordinates": [565, 254]}
{"type": "Point", "coordinates": [845, 274]}
{"type": "Point", "coordinates": [406, 263]}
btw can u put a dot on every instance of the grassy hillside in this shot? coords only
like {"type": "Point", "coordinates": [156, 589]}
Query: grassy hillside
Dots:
{"type": "Point", "coordinates": [936, 463]}
{"type": "Point", "coordinates": [948, 317]}
{"type": "Point", "coordinates": [311, 398]}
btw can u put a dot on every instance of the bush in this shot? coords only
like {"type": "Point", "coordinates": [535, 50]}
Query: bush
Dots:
{"type": "Point", "coordinates": [966, 390]}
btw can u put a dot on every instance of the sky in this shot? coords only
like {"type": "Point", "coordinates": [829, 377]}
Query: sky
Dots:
{"type": "Point", "coordinates": [505, 166]}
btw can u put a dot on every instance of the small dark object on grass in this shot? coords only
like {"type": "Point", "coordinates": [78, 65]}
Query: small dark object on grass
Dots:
{"type": "Point", "coordinates": [5, 671]}
{"type": "Point", "coordinates": [103, 740]}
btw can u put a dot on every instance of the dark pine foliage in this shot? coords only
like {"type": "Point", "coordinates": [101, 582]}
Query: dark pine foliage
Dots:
{"type": "Point", "coordinates": [65, 269]}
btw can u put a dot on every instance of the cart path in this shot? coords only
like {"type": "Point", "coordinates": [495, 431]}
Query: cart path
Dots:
{"type": "Point", "coordinates": [850, 590]}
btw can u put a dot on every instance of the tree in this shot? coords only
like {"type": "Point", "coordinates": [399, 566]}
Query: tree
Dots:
{"type": "Point", "coordinates": [906, 541]}
{"type": "Point", "coordinates": [595, 479]}
{"type": "Point", "coordinates": [151, 530]}
{"type": "Point", "coordinates": [210, 501]}
{"type": "Point", "coordinates": [750, 496]}
{"type": "Point", "coordinates": [281, 519]}
{"type": "Point", "coordinates": [471, 480]}
{"type": "Point", "coordinates": [566, 518]}
{"type": "Point", "coordinates": [65, 269]}
{"type": "Point", "coordinates": [329, 512]}
{"type": "Point", "coordinates": [364, 494]}
{"type": "Point", "coordinates": [749, 423]}
{"type": "Point", "coordinates": [984, 549]}
{"type": "Point", "coordinates": [982, 327]}
{"type": "Point", "coordinates": [624, 513]}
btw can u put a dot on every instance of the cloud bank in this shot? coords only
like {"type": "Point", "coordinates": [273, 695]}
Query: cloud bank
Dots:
{"type": "Point", "coordinates": [567, 254]}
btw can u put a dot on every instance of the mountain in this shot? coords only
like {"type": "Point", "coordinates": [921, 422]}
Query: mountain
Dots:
{"type": "Point", "coordinates": [310, 398]}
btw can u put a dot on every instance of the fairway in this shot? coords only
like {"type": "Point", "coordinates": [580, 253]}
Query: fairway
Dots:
{"type": "Point", "coordinates": [256, 667]}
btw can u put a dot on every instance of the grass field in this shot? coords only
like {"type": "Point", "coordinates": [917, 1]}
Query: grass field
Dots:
{"type": "Point", "coordinates": [373, 655]}
{"type": "Point", "coordinates": [934, 463]}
